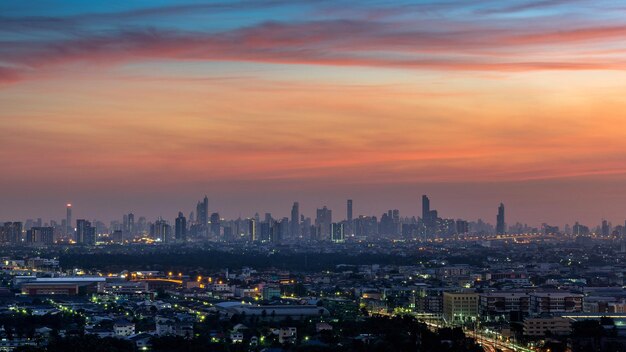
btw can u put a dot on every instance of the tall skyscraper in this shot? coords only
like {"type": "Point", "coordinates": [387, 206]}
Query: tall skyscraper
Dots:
{"type": "Point", "coordinates": [500, 224]}
{"type": "Point", "coordinates": [252, 229]}
{"type": "Point", "coordinates": [125, 224]}
{"type": "Point", "coordinates": [337, 234]}
{"type": "Point", "coordinates": [131, 224]}
{"type": "Point", "coordinates": [215, 224]}
{"type": "Point", "coordinates": [202, 212]}
{"type": "Point", "coordinates": [349, 210]}
{"type": "Point", "coordinates": [323, 222]}
{"type": "Point", "coordinates": [68, 220]}
{"type": "Point", "coordinates": [181, 227]}
{"type": "Point", "coordinates": [425, 207]}
{"type": "Point", "coordinates": [161, 231]}
{"type": "Point", "coordinates": [605, 228]}
{"type": "Point", "coordinates": [294, 225]}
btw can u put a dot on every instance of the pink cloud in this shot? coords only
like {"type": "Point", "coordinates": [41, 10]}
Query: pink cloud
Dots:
{"type": "Point", "coordinates": [332, 43]}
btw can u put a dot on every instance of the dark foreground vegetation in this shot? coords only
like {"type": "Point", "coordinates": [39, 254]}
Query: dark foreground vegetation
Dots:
{"type": "Point", "coordinates": [374, 334]}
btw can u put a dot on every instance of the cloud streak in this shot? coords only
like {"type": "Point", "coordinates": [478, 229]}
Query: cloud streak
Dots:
{"type": "Point", "coordinates": [331, 43]}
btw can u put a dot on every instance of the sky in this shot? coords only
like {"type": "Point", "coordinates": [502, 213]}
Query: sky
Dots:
{"type": "Point", "coordinates": [146, 106]}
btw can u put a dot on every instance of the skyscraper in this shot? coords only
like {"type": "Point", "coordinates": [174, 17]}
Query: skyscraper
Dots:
{"type": "Point", "coordinates": [500, 224]}
{"type": "Point", "coordinates": [181, 227]}
{"type": "Point", "coordinates": [295, 221]}
{"type": "Point", "coordinates": [337, 234]}
{"type": "Point", "coordinates": [202, 212]}
{"type": "Point", "coordinates": [215, 224]}
{"type": "Point", "coordinates": [429, 217]}
{"type": "Point", "coordinates": [349, 210]}
{"type": "Point", "coordinates": [85, 233]}
{"type": "Point", "coordinates": [131, 224]}
{"type": "Point", "coordinates": [605, 228]}
{"type": "Point", "coordinates": [323, 222]}
{"type": "Point", "coordinates": [68, 220]}
{"type": "Point", "coordinates": [252, 229]}
{"type": "Point", "coordinates": [425, 207]}
{"type": "Point", "coordinates": [11, 232]}
{"type": "Point", "coordinates": [125, 224]}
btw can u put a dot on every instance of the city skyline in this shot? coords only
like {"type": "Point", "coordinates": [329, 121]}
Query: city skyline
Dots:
{"type": "Point", "coordinates": [144, 105]}
{"type": "Point", "coordinates": [203, 213]}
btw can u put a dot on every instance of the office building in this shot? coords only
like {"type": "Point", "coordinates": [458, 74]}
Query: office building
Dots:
{"type": "Point", "coordinates": [252, 229]}
{"type": "Point", "coordinates": [349, 211]}
{"type": "Point", "coordinates": [500, 224]}
{"type": "Point", "coordinates": [459, 307]}
{"type": "Point", "coordinates": [69, 231]}
{"type": "Point", "coordinates": [338, 234]}
{"type": "Point", "coordinates": [180, 232]}
{"type": "Point", "coordinates": [40, 235]}
{"type": "Point", "coordinates": [215, 224]}
{"type": "Point", "coordinates": [295, 221]}
{"type": "Point", "coordinates": [202, 212]}
{"type": "Point", "coordinates": [323, 222]}
{"type": "Point", "coordinates": [11, 232]}
{"type": "Point", "coordinates": [85, 233]}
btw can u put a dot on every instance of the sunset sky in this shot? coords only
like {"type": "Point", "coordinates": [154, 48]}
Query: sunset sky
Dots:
{"type": "Point", "coordinates": [146, 106]}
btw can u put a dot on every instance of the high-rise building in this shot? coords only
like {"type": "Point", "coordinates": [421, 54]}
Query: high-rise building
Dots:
{"type": "Point", "coordinates": [338, 234]}
{"type": "Point", "coordinates": [323, 222]}
{"type": "Point", "coordinates": [128, 225]}
{"type": "Point", "coordinates": [215, 224]}
{"type": "Point", "coordinates": [500, 224]}
{"type": "Point", "coordinates": [580, 230]}
{"type": "Point", "coordinates": [131, 224]}
{"type": "Point", "coordinates": [85, 233]}
{"type": "Point", "coordinates": [40, 235]}
{"type": "Point", "coordinates": [68, 220]}
{"type": "Point", "coordinates": [430, 218]}
{"type": "Point", "coordinates": [425, 207]}
{"type": "Point", "coordinates": [11, 232]}
{"type": "Point", "coordinates": [462, 226]}
{"type": "Point", "coordinates": [180, 227]}
{"type": "Point", "coordinates": [278, 229]}
{"type": "Point", "coordinates": [252, 229]}
{"type": "Point", "coordinates": [295, 221]}
{"type": "Point", "coordinates": [162, 231]}
{"type": "Point", "coordinates": [349, 210]}
{"type": "Point", "coordinates": [202, 212]}
{"type": "Point", "coordinates": [606, 228]}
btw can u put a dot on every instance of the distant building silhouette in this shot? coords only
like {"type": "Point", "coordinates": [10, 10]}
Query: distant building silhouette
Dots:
{"type": "Point", "coordinates": [11, 232]}
{"type": "Point", "coordinates": [500, 224]}
{"type": "Point", "coordinates": [68, 220]}
{"type": "Point", "coordinates": [40, 235]}
{"type": "Point", "coordinates": [323, 222]}
{"type": "Point", "coordinates": [349, 210]}
{"type": "Point", "coordinates": [180, 231]}
{"type": "Point", "coordinates": [294, 224]}
{"type": "Point", "coordinates": [425, 207]}
{"type": "Point", "coordinates": [252, 229]}
{"type": "Point", "coordinates": [338, 234]}
{"type": "Point", "coordinates": [85, 233]}
{"type": "Point", "coordinates": [215, 225]}
{"type": "Point", "coordinates": [202, 212]}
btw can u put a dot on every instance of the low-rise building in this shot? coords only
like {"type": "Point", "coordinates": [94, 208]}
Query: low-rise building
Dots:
{"type": "Point", "coordinates": [540, 326]}
{"type": "Point", "coordinates": [459, 307]}
{"type": "Point", "coordinates": [124, 328]}
{"type": "Point", "coordinates": [555, 302]}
